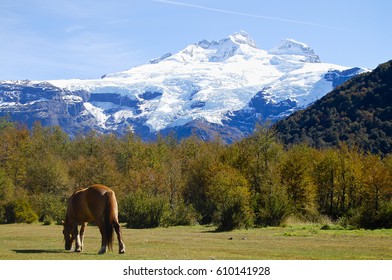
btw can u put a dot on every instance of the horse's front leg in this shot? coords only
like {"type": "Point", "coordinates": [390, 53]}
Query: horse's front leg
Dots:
{"type": "Point", "coordinates": [81, 239]}
{"type": "Point", "coordinates": [78, 243]}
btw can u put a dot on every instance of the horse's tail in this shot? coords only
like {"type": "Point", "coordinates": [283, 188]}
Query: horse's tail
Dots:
{"type": "Point", "coordinates": [110, 217]}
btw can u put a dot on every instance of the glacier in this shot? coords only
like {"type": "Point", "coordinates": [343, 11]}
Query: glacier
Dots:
{"type": "Point", "coordinates": [221, 84]}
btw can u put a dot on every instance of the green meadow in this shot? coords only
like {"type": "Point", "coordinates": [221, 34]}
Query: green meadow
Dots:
{"type": "Point", "coordinates": [293, 242]}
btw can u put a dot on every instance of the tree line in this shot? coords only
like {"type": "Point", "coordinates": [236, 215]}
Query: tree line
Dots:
{"type": "Point", "coordinates": [253, 182]}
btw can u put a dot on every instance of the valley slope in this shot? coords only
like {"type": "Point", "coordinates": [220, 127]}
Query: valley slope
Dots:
{"type": "Point", "coordinates": [357, 113]}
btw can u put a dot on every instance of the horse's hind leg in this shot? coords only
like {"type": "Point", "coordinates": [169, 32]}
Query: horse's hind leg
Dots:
{"type": "Point", "coordinates": [103, 234]}
{"type": "Point", "coordinates": [121, 245]}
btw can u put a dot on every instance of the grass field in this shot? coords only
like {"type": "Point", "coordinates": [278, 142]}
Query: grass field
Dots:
{"type": "Point", "coordinates": [296, 242]}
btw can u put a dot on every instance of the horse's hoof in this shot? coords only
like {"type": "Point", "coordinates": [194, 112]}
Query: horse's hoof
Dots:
{"type": "Point", "coordinates": [78, 250]}
{"type": "Point", "coordinates": [121, 249]}
{"type": "Point", "coordinates": [102, 251]}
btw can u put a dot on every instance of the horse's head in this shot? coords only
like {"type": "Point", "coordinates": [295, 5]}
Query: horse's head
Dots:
{"type": "Point", "coordinates": [68, 237]}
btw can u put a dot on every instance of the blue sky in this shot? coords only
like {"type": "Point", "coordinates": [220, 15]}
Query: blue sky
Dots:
{"type": "Point", "coordinates": [62, 39]}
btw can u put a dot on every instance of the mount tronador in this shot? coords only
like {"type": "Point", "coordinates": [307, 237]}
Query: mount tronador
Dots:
{"type": "Point", "coordinates": [210, 88]}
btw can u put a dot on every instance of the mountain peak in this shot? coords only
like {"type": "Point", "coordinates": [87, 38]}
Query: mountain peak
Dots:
{"type": "Point", "coordinates": [218, 51]}
{"type": "Point", "coordinates": [242, 37]}
{"type": "Point", "coordinates": [299, 51]}
{"type": "Point", "coordinates": [236, 39]}
{"type": "Point", "coordinates": [229, 83]}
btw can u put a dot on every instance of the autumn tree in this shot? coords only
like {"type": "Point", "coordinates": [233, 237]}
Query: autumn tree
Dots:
{"type": "Point", "coordinates": [295, 170]}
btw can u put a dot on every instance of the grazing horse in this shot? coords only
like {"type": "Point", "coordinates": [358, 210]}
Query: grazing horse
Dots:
{"type": "Point", "coordinates": [93, 204]}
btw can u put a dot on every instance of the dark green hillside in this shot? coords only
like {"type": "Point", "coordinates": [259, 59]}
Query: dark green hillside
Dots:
{"type": "Point", "coordinates": [358, 113]}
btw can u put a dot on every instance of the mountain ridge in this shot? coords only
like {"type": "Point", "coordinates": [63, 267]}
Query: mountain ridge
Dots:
{"type": "Point", "coordinates": [229, 83]}
{"type": "Point", "coordinates": [357, 113]}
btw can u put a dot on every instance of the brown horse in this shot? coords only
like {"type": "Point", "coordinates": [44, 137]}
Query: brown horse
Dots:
{"type": "Point", "coordinates": [94, 204]}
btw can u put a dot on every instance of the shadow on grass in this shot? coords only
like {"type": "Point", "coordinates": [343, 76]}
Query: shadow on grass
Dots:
{"type": "Point", "coordinates": [52, 251]}
{"type": "Point", "coordinates": [38, 251]}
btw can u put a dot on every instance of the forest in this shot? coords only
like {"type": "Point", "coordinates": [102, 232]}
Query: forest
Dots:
{"type": "Point", "coordinates": [357, 113]}
{"type": "Point", "coordinates": [254, 182]}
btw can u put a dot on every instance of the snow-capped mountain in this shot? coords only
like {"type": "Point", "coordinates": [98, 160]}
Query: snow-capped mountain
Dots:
{"type": "Point", "coordinates": [211, 88]}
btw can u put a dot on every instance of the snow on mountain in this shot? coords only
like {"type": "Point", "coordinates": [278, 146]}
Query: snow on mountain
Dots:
{"type": "Point", "coordinates": [212, 81]}
{"type": "Point", "coordinates": [293, 50]}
